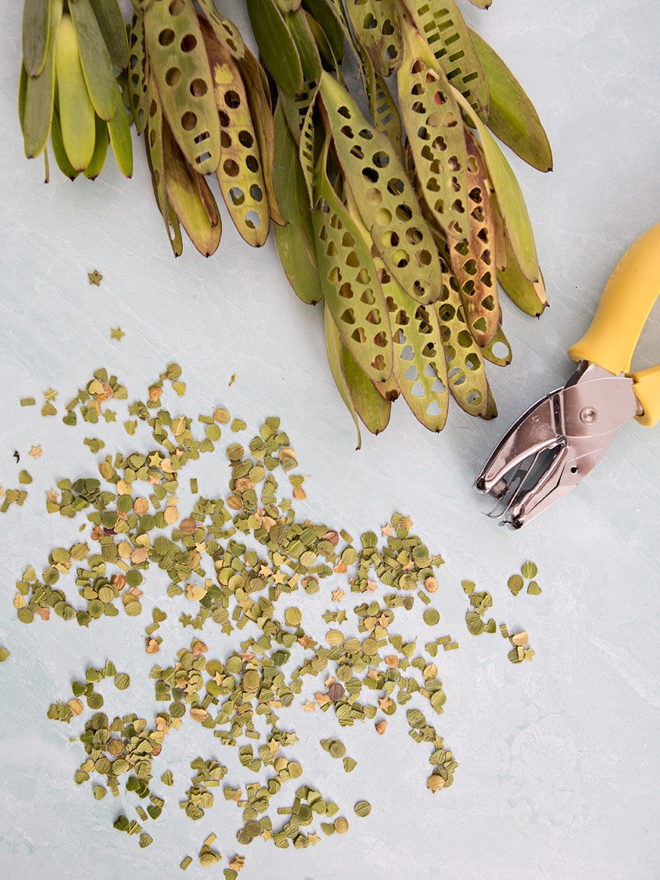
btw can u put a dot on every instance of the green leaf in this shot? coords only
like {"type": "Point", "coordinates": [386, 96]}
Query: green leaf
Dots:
{"type": "Point", "coordinates": [190, 197]}
{"type": "Point", "coordinates": [308, 52]}
{"type": "Point", "coordinates": [100, 150]}
{"type": "Point", "coordinates": [111, 21]}
{"type": "Point", "coordinates": [529, 297]}
{"type": "Point", "coordinates": [277, 46]}
{"type": "Point", "coordinates": [37, 94]}
{"type": "Point", "coordinates": [325, 15]}
{"type": "Point", "coordinates": [120, 138]}
{"type": "Point", "coordinates": [94, 59]}
{"type": "Point", "coordinates": [58, 148]}
{"type": "Point", "coordinates": [154, 144]}
{"type": "Point", "coordinates": [512, 117]}
{"type": "Point", "coordinates": [180, 68]}
{"type": "Point", "coordinates": [449, 37]}
{"type": "Point", "coordinates": [373, 409]}
{"type": "Point", "coordinates": [36, 29]}
{"type": "Point", "coordinates": [509, 196]}
{"type": "Point", "coordinates": [333, 346]}
{"type": "Point", "coordinates": [76, 112]}
{"type": "Point", "coordinates": [295, 241]}
{"type": "Point", "coordinates": [503, 357]}
{"type": "Point", "coordinates": [386, 200]}
{"type": "Point", "coordinates": [382, 106]}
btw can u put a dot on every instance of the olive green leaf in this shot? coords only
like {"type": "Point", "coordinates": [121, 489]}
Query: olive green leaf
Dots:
{"type": "Point", "coordinates": [322, 44]}
{"type": "Point", "coordinates": [295, 241]}
{"type": "Point", "coordinates": [509, 196]}
{"type": "Point", "coordinates": [276, 45]}
{"type": "Point", "coordinates": [262, 119]}
{"type": "Point", "coordinates": [350, 280]}
{"type": "Point", "coordinates": [94, 59]}
{"type": "Point", "coordinates": [190, 197]}
{"type": "Point", "coordinates": [120, 138]}
{"type": "Point", "coordinates": [384, 195]}
{"type": "Point", "coordinates": [481, 4]}
{"type": "Point", "coordinates": [333, 346]}
{"type": "Point", "coordinates": [58, 148]}
{"type": "Point", "coordinates": [36, 34]}
{"type": "Point", "coordinates": [473, 261]}
{"type": "Point", "coordinates": [288, 5]}
{"type": "Point", "coordinates": [529, 297]}
{"type": "Point", "coordinates": [36, 105]}
{"type": "Point", "coordinates": [449, 37]}
{"type": "Point", "coordinates": [466, 374]}
{"type": "Point", "coordinates": [154, 143]}
{"type": "Point", "coordinates": [137, 73]}
{"type": "Point", "coordinates": [495, 352]}
{"type": "Point", "coordinates": [308, 52]}
{"type": "Point", "coordinates": [512, 117]}
{"type": "Point", "coordinates": [111, 21]}
{"type": "Point", "coordinates": [100, 150]}
{"type": "Point", "coordinates": [375, 27]}
{"type": "Point", "coordinates": [324, 13]}
{"type": "Point", "coordinates": [225, 30]}
{"type": "Point", "coordinates": [435, 132]}
{"type": "Point", "coordinates": [239, 173]}
{"type": "Point", "coordinates": [372, 408]}
{"type": "Point", "coordinates": [180, 68]}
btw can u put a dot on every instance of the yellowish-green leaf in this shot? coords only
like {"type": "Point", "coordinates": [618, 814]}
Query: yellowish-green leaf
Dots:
{"type": "Point", "coordinates": [224, 29]}
{"type": "Point", "coordinates": [75, 107]}
{"type": "Point", "coordinates": [333, 346]}
{"type": "Point", "coordinates": [372, 408]}
{"type": "Point", "coordinates": [100, 150]}
{"type": "Point", "coordinates": [529, 297]}
{"type": "Point", "coordinates": [498, 351]}
{"type": "Point", "coordinates": [154, 142]}
{"type": "Point", "coordinates": [137, 73]}
{"type": "Point", "coordinates": [512, 117]}
{"type": "Point", "coordinates": [58, 148]}
{"type": "Point", "coordinates": [120, 138]}
{"type": "Point", "coordinates": [38, 93]}
{"type": "Point", "coordinates": [95, 59]}
{"type": "Point", "coordinates": [375, 26]}
{"type": "Point", "coordinates": [276, 45]}
{"type": "Point", "coordinates": [36, 30]}
{"type": "Point", "coordinates": [382, 106]}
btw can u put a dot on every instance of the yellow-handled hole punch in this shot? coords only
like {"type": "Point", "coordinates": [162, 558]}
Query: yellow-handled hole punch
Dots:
{"type": "Point", "coordinates": [562, 437]}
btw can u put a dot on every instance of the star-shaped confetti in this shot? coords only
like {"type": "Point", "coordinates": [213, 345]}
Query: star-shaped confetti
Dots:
{"type": "Point", "coordinates": [110, 415]}
{"type": "Point", "coordinates": [338, 595]}
{"type": "Point", "coordinates": [35, 452]}
{"type": "Point", "coordinates": [386, 531]}
{"type": "Point", "coordinates": [309, 706]}
{"type": "Point", "coordinates": [95, 277]}
{"type": "Point", "coordinates": [266, 570]}
{"type": "Point", "coordinates": [279, 577]}
{"type": "Point", "coordinates": [528, 653]}
{"type": "Point", "coordinates": [305, 641]}
{"type": "Point", "coordinates": [372, 586]}
{"type": "Point", "coordinates": [116, 333]}
{"type": "Point", "coordinates": [50, 395]}
{"type": "Point", "coordinates": [384, 703]}
{"type": "Point", "coordinates": [313, 838]}
{"type": "Point", "coordinates": [408, 523]}
{"type": "Point", "coordinates": [53, 496]}
{"type": "Point", "coordinates": [341, 617]}
{"type": "Point", "coordinates": [237, 863]}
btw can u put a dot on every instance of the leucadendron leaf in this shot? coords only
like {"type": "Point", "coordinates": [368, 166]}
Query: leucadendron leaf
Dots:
{"type": "Point", "coordinates": [435, 132]}
{"type": "Point", "coordinates": [498, 351]}
{"type": "Point", "coordinates": [154, 144]}
{"type": "Point", "coordinates": [372, 408]}
{"type": "Point", "coordinates": [350, 280]}
{"type": "Point", "coordinates": [333, 346]}
{"type": "Point", "coordinates": [95, 59]}
{"type": "Point", "coordinates": [443, 26]}
{"type": "Point", "coordinates": [529, 297]}
{"type": "Point", "coordinates": [37, 94]}
{"type": "Point", "coordinates": [375, 27]}
{"type": "Point", "coordinates": [382, 105]}
{"type": "Point", "coordinates": [325, 15]}
{"type": "Point", "coordinates": [179, 65]}
{"type": "Point", "coordinates": [295, 241]}
{"type": "Point", "coordinates": [509, 196]}
{"type": "Point", "coordinates": [224, 29]}
{"type": "Point", "coordinates": [512, 117]}
{"type": "Point", "coordinates": [276, 45]}
{"type": "Point", "coordinates": [137, 74]}
{"type": "Point", "coordinates": [385, 197]}
{"type": "Point", "coordinates": [473, 261]}
{"type": "Point", "coordinates": [111, 21]}
{"type": "Point", "coordinates": [36, 27]}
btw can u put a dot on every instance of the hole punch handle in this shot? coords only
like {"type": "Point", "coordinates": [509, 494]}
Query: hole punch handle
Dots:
{"type": "Point", "coordinates": [624, 306]}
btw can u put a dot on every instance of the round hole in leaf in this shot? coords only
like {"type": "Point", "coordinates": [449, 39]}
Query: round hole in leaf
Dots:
{"type": "Point", "coordinates": [173, 76]}
{"type": "Point", "coordinates": [225, 139]}
{"type": "Point", "coordinates": [166, 37]}
{"type": "Point", "coordinates": [198, 88]}
{"type": "Point", "coordinates": [380, 159]}
{"type": "Point", "coordinates": [396, 186]}
{"type": "Point", "coordinates": [252, 163]}
{"type": "Point", "coordinates": [383, 217]}
{"type": "Point", "coordinates": [256, 192]}
{"type": "Point", "coordinates": [236, 195]}
{"type": "Point", "coordinates": [177, 7]}
{"type": "Point", "coordinates": [232, 99]}
{"type": "Point", "coordinates": [188, 120]}
{"type": "Point", "coordinates": [246, 139]}
{"type": "Point", "coordinates": [230, 168]}
{"type": "Point", "coordinates": [252, 220]}
{"type": "Point", "coordinates": [188, 43]}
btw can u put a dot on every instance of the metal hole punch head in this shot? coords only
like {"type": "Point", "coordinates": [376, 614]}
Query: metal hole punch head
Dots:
{"type": "Point", "coordinates": [562, 437]}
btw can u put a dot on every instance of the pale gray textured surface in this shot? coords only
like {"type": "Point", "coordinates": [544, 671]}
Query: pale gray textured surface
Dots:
{"type": "Point", "coordinates": [559, 765]}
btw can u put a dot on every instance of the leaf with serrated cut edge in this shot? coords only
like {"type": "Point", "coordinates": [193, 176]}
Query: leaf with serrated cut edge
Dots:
{"type": "Point", "coordinates": [382, 105]}
{"type": "Point", "coordinates": [224, 29]}
{"type": "Point", "coordinates": [137, 73]}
